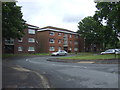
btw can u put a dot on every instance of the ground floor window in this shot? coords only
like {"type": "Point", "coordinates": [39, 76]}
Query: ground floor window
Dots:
{"type": "Point", "coordinates": [31, 49]}
{"type": "Point", "coordinates": [59, 48]}
{"type": "Point", "coordinates": [20, 48]}
{"type": "Point", "coordinates": [52, 49]}
{"type": "Point", "coordinates": [75, 49]}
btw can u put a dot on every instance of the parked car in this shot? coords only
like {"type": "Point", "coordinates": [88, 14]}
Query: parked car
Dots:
{"type": "Point", "coordinates": [111, 51]}
{"type": "Point", "coordinates": [60, 52]}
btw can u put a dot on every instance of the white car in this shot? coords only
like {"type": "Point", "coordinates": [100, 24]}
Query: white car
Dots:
{"type": "Point", "coordinates": [60, 52]}
{"type": "Point", "coordinates": [111, 51]}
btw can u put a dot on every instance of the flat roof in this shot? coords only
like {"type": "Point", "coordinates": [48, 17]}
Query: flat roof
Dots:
{"type": "Point", "coordinates": [56, 29]}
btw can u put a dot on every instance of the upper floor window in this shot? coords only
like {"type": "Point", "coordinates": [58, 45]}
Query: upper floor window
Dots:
{"type": "Point", "coordinates": [9, 41]}
{"type": "Point", "coordinates": [70, 35]}
{"type": "Point", "coordinates": [31, 40]}
{"type": "Point", "coordinates": [59, 34]}
{"type": "Point", "coordinates": [52, 33]}
{"type": "Point", "coordinates": [20, 40]}
{"type": "Point", "coordinates": [30, 31]}
{"type": "Point", "coordinates": [20, 48]}
{"type": "Point", "coordinates": [76, 36]}
{"type": "Point", "coordinates": [59, 41]}
{"type": "Point", "coordinates": [51, 40]}
{"type": "Point", "coordinates": [75, 42]}
{"type": "Point", "coordinates": [65, 35]}
{"type": "Point", "coordinates": [31, 49]}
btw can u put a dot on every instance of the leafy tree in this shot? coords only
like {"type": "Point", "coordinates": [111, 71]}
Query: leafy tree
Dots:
{"type": "Point", "coordinates": [12, 22]}
{"type": "Point", "coordinates": [91, 30]}
{"type": "Point", "coordinates": [110, 12]}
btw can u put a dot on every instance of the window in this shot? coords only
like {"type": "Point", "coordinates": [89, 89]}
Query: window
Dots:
{"type": "Point", "coordinates": [52, 33]}
{"type": "Point", "coordinates": [76, 36]}
{"type": "Point", "coordinates": [51, 40]}
{"type": "Point", "coordinates": [20, 49]}
{"type": "Point", "coordinates": [59, 41]}
{"type": "Point", "coordinates": [75, 49]}
{"type": "Point", "coordinates": [20, 40]}
{"type": "Point", "coordinates": [75, 42]}
{"type": "Point", "coordinates": [31, 40]}
{"type": "Point", "coordinates": [70, 42]}
{"type": "Point", "coordinates": [9, 41]}
{"type": "Point", "coordinates": [59, 34]}
{"type": "Point", "coordinates": [52, 49]}
{"type": "Point", "coordinates": [31, 49]}
{"type": "Point", "coordinates": [65, 35]}
{"type": "Point", "coordinates": [70, 35]}
{"type": "Point", "coordinates": [30, 31]}
{"type": "Point", "coordinates": [59, 48]}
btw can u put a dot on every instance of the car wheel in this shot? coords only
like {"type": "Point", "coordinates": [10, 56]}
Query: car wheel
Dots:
{"type": "Point", "coordinates": [65, 54]}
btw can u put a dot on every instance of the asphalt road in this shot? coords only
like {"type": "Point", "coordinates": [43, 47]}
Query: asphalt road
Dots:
{"type": "Point", "coordinates": [70, 75]}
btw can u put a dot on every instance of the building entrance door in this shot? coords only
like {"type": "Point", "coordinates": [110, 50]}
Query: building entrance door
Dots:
{"type": "Point", "coordinates": [9, 48]}
{"type": "Point", "coordinates": [66, 49]}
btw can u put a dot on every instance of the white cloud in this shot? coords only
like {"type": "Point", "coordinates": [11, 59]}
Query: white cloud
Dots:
{"type": "Point", "coordinates": [58, 13]}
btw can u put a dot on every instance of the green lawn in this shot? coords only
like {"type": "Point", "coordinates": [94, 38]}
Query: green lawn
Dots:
{"type": "Point", "coordinates": [13, 55]}
{"type": "Point", "coordinates": [91, 57]}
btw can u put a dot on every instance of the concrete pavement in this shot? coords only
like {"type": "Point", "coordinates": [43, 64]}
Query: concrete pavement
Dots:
{"type": "Point", "coordinates": [19, 77]}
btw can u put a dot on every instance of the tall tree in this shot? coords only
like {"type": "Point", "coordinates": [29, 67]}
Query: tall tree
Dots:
{"type": "Point", "coordinates": [12, 22]}
{"type": "Point", "coordinates": [110, 12]}
{"type": "Point", "coordinates": [91, 30]}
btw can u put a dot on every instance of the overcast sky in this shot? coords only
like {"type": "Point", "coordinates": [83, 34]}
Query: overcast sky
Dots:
{"type": "Point", "coordinates": [58, 13]}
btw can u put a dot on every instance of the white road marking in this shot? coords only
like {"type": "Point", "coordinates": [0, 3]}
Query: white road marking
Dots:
{"type": "Point", "coordinates": [43, 79]}
{"type": "Point", "coordinates": [26, 59]}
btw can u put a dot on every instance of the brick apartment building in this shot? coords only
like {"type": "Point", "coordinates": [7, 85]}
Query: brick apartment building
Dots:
{"type": "Point", "coordinates": [27, 44]}
{"type": "Point", "coordinates": [53, 39]}
{"type": "Point", "coordinates": [44, 40]}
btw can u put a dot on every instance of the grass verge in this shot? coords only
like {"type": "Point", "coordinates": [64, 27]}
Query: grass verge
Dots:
{"type": "Point", "coordinates": [92, 57]}
{"type": "Point", "coordinates": [14, 55]}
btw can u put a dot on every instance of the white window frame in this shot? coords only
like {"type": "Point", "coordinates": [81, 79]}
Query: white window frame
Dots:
{"type": "Point", "coordinates": [31, 40]}
{"type": "Point", "coordinates": [20, 48]}
{"type": "Point", "coordinates": [75, 49]}
{"type": "Point", "coordinates": [52, 48]}
{"type": "Point", "coordinates": [59, 48]}
{"type": "Point", "coordinates": [9, 41]}
{"type": "Point", "coordinates": [31, 48]}
{"type": "Point", "coordinates": [59, 34]}
{"type": "Point", "coordinates": [51, 40]}
{"type": "Point", "coordinates": [76, 43]}
{"type": "Point", "coordinates": [70, 36]}
{"type": "Point", "coordinates": [76, 36]}
{"type": "Point", "coordinates": [59, 41]}
{"type": "Point", "coordinates": [31, 31]}
{"type": "Point", "coordinates": [20, 40]}
{"type": "Point", "coordinates": [52, 33]}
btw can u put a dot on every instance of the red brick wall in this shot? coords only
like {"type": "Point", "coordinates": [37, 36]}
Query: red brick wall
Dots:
{"type": "Point", "coordinates": [42, 38]}
{"type": "Point", "coordinates": [25, 44]}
